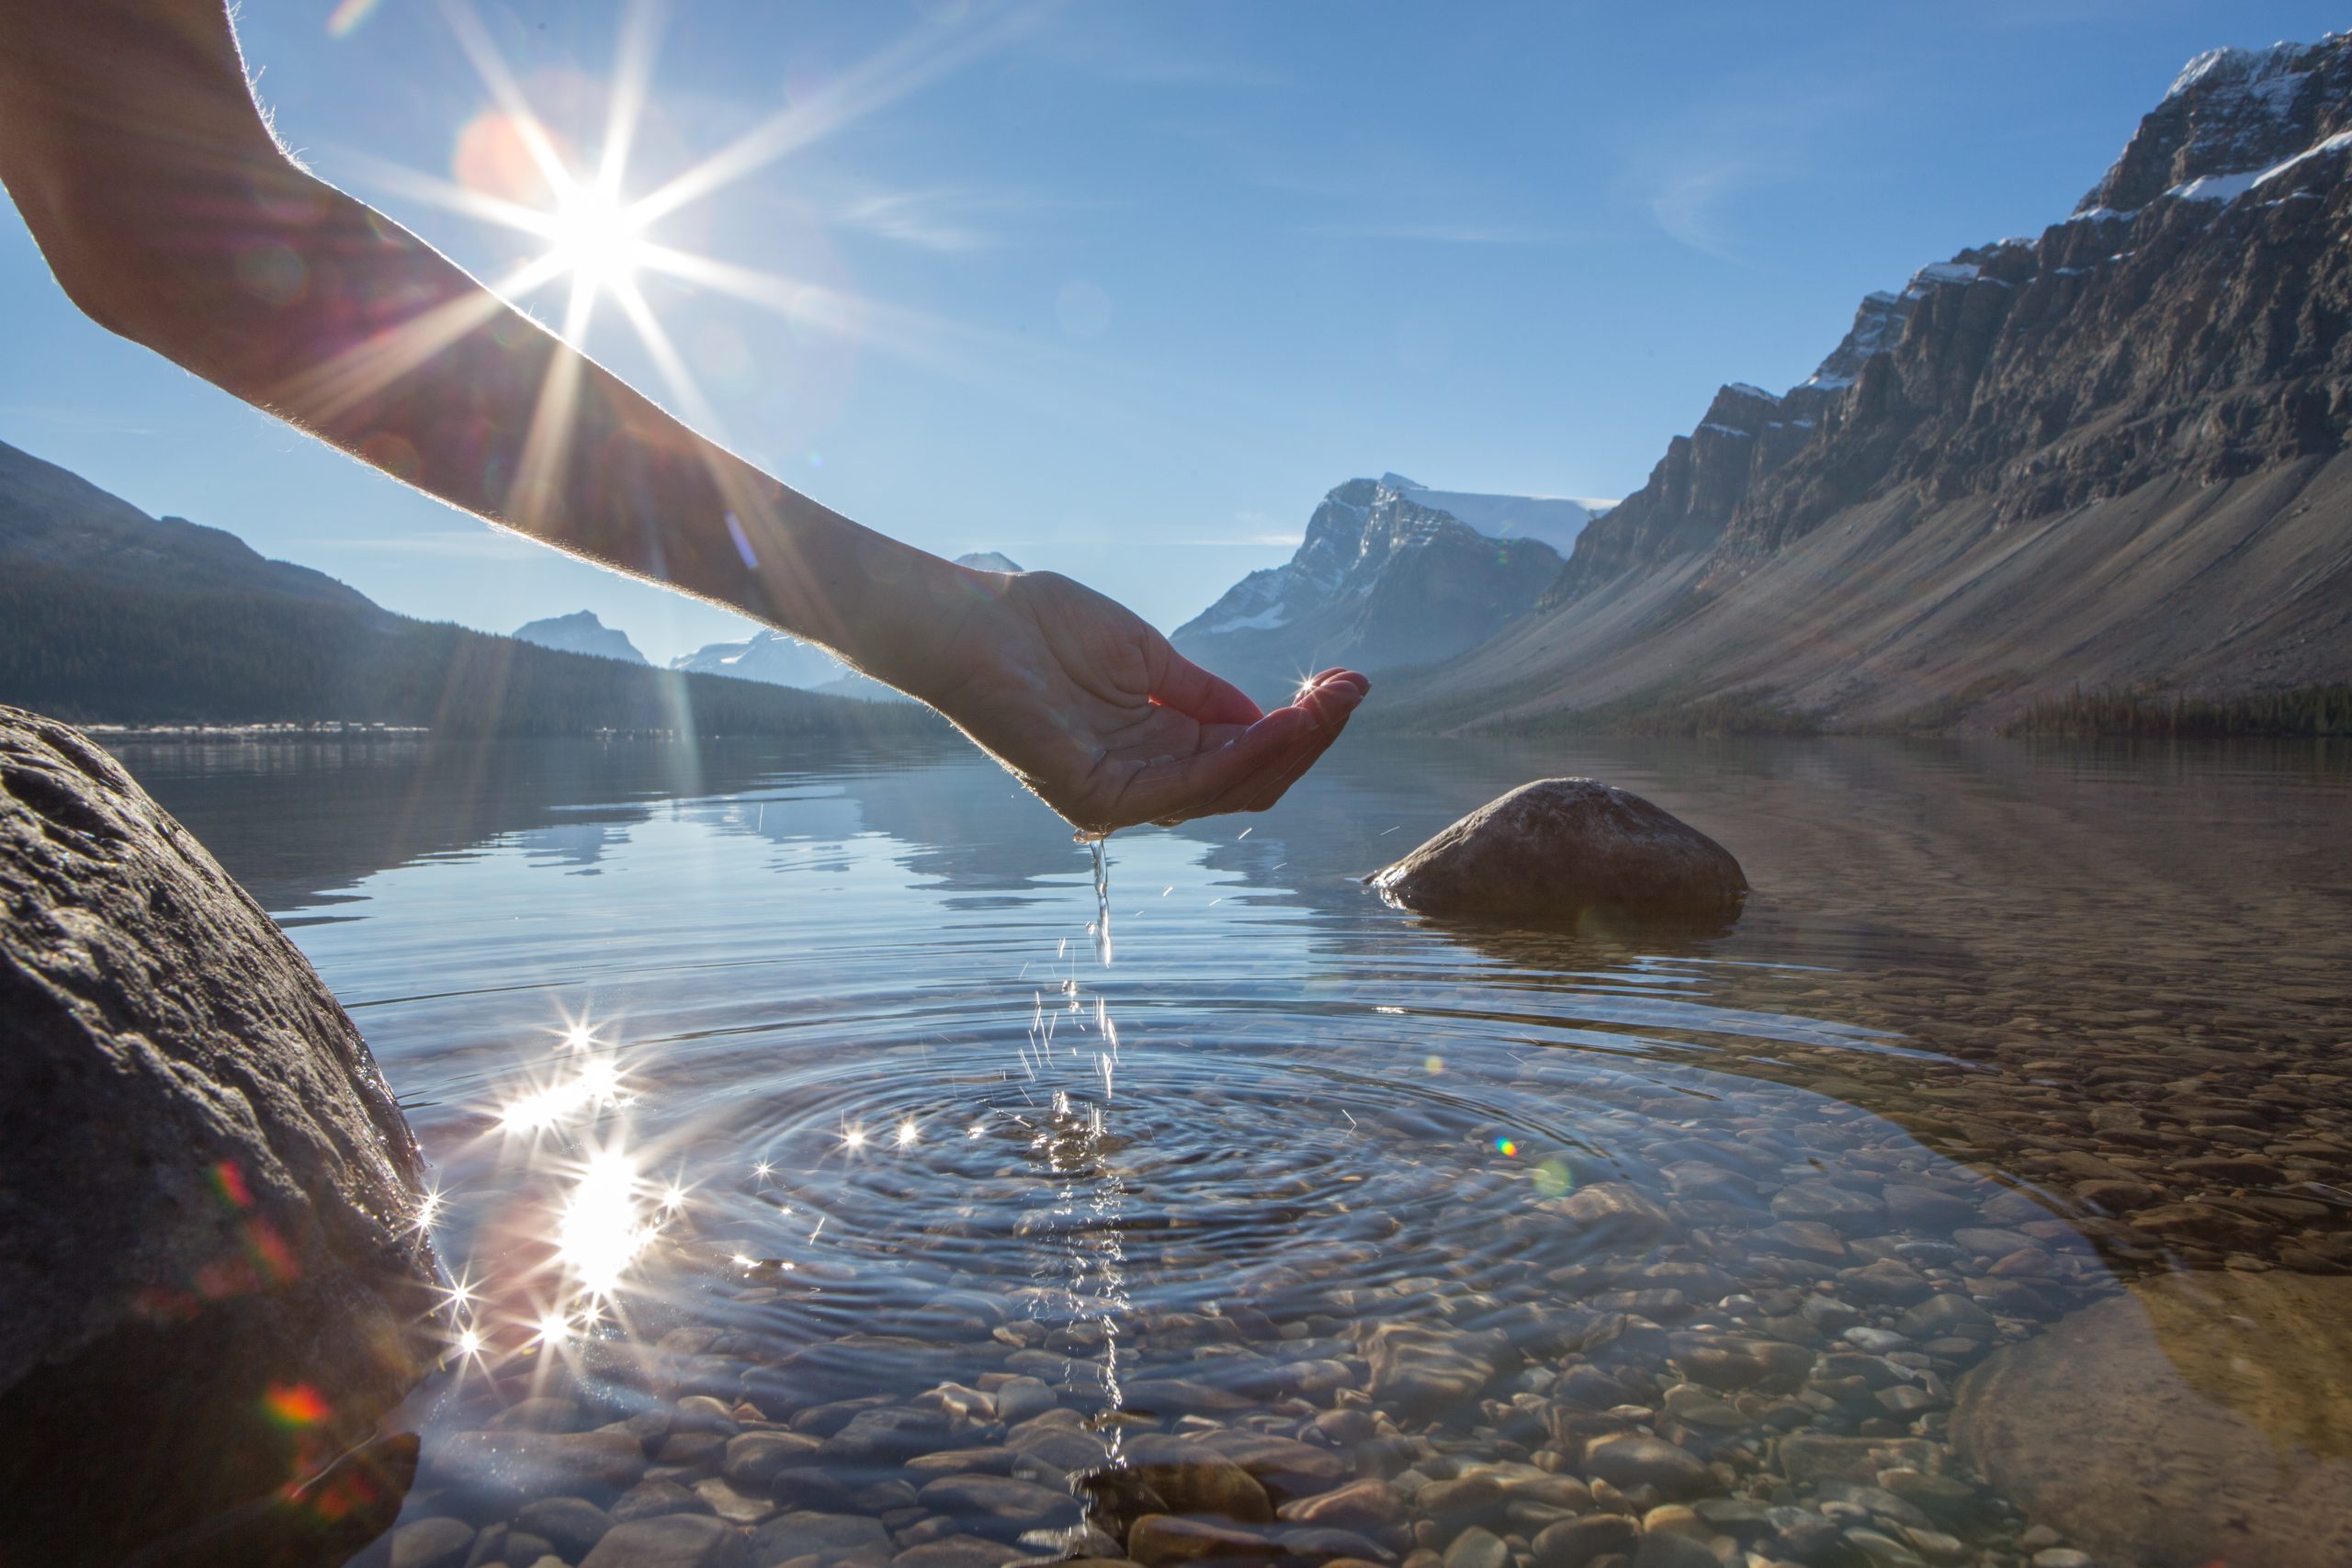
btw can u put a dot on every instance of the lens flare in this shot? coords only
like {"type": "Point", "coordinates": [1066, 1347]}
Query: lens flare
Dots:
{"type": "Point", "coordinates": [596, 1086]}
{"type": "Point", "coordinates": [596, 237]}
{"type": "Point", "coordinates": [603, 1229]}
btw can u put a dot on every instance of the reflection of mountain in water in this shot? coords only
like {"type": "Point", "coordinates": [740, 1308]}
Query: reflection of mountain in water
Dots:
{"type": "Point", "coordinates": [297, 823]}
{"type": "Point", "coordinates": [578, 844]}
{"type": "Point", "coordinates": [300, 823]}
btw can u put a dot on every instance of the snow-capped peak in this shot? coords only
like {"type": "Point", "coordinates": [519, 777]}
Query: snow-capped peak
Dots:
{"type": "Point", "coordinates": [776, 658]}
{"type": "Point", "coordinates": [2258, 68]}
{"type": "Point", "coordinates": [2230, 114]}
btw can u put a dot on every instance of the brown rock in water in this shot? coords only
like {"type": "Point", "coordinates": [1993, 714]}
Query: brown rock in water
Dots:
{"type": "Point", "coordinates": [1424, 1372]}
{"type": "Point", "coordinates": [1557, 848]}
{"type": "Point", "coordinates": [215, 1272]}
{"type": "Point", "coordinates": [1630, 1459]}
{"type": "Point", "coordinates": [1193, 1478]}
{"type": "Point", "coordinates": [2201, 1418]}
{"type": "Point", "coordinates": [1284, 1466]}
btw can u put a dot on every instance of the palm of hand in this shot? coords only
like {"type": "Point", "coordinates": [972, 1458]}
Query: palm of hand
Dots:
{"type": "Point", "coordinates": [1110, 726]}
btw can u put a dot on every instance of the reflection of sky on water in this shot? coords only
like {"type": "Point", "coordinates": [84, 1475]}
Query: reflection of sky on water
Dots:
{"type": "Point", "coordinates": [814, 964]}
{"type": "Point", "coordinates": [847, 1042]}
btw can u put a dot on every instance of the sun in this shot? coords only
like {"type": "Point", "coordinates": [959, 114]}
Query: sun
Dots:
{"type": "Point", "coordinates": [590, 233]}
{"type": "Point", "coordinates": [596, 237]}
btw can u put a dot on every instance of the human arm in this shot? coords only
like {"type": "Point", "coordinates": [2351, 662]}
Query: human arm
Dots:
{"type": "Point", "coordinates": [132, 146]}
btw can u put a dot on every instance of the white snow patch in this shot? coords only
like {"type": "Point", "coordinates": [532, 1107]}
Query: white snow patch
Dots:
{"type": "Point", "coordinates": [1265, 620]}
{"type": "Point", "coordinates": [1745, 390]}
{"type": "Point", "coordinates": [2229, 187]}
{"type": "Point", "coordinates": [2335, 143]}
{"type": "Point", "coordinates": [2214, 187]}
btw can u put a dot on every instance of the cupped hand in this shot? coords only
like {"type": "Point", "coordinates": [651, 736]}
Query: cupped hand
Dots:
{"type": "Point", "coordinates": [1109, 724]}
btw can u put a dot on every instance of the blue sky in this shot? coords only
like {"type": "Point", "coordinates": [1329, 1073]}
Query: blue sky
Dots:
{"type": "Point", "coordinates": [1131, 286]}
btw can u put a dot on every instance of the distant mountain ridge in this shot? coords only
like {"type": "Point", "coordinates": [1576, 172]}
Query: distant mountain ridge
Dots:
{"type": "Point", "coordinates": [108, 614]}
{"type": "Point", "coordinates": [1380, 580]}
{"type": "Point", "coordinates": [55, 519]}
{"type": "Point", "coordinates": [771, 657]}
{"type": "Point", "coordinates": [581, 632]}
{"type": "Point", "coordinates": [2111, 456]}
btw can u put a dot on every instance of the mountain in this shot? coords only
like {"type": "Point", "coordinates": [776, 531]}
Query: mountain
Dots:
{"type": "Point", "coordinates": [780, 659]}
{"type": "Point", "coordinates": [52, 521]}
{"type": "Point", "coordinates": [109, 616]}
{"type": "Point", "coordinates": [775, 657]}
{"type": "Point", "coordinates": [1553, 520]}
{"type": "Point", "coordinates": [581, 632]}
{"type": "Point", "coordinates": [2111, 456]}
{"type": "Point", "coordinates": [1381, 580]}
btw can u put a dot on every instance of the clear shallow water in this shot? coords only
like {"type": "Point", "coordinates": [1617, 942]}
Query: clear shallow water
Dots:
{"type": "Point", "coordinates": [800, 1087]}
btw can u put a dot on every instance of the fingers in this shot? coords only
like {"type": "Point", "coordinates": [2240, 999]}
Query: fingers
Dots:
{"type": "Point", "coordinates": [1178, 787]}
{"type": "Point", "coordinates": [1253, 772]}
{"type": "Point", "coordinates": [1195, 693]}
{"type": "Point", "coordinates": [1329, 700]}
{"type": "Point", "coordinates": [1362, 683]}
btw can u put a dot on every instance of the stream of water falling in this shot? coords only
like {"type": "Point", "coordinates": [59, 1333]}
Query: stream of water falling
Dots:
{"type": "Point", "coordinates": [1081, 1261]}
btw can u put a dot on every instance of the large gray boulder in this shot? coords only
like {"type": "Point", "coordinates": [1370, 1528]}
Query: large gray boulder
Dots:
{"type": "Point", "coordinates": [211, 1242]}
{"type": "Point", "coordinates": [2199, 1418]}
{"type": "Point", "coordinates": [1557, 848]}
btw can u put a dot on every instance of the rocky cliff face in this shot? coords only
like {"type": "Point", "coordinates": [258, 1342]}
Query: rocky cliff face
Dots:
{"type": "Point", "coordinates": [1699, 483]}
{"type": "Point", "coordinates": [2156, 389]}
{"type": "Point", "coordinates": [1380, 581]}
{"type": "Point", "coordinates": [2230, 112]}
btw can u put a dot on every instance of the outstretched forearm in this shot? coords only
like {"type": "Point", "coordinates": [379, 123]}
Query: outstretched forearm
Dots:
{"type": "Point", "coordinates": [131, 145]}
{"type": "Point", "coordinates": [366, 337]}
{"type": "Point", "coordinates": [213, 247]}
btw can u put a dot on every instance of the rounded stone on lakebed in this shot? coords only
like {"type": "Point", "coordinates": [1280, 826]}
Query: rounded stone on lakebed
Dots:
{"type": "Point", "coordinates": [1557, 848]}
{"type": "Point", "coordinates": [2195, 1418]}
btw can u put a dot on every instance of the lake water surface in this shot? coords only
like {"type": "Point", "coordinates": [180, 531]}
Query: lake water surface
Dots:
{"type": "Point", "coordinates": [908, 1202]}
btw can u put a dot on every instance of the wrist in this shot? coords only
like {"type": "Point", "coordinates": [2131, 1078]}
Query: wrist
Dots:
{"type": "Point", "coordinates": [922, 626]}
